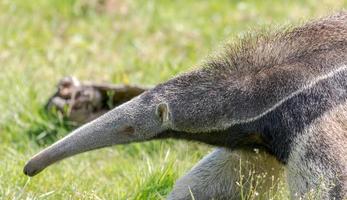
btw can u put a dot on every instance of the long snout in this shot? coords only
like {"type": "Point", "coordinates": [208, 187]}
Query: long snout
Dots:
{"type": "Point", "coordinates": [109, 129]}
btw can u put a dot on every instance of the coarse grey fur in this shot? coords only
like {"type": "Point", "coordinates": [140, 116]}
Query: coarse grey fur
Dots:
{"type": "Point", "coordinates": [218, 176]}
{"type": "Point", "coordinates": [284, 93]}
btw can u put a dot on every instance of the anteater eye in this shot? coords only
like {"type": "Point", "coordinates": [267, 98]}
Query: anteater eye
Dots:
{"type": "Point", "coordinates": [128, 130]}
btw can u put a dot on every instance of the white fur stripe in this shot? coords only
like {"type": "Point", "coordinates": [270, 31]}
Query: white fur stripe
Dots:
{"type": "Point", "coordinates": [295, 93]}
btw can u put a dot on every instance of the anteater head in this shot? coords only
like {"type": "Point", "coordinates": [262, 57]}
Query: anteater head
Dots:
{"type": "Point", "coordinates": [143, 118]}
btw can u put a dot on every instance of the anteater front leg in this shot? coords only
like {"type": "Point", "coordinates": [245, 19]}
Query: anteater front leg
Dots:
{"type": "Point", "coordinates": [317, 166]}
{"type": "Point", "coordinates": [225, 174]}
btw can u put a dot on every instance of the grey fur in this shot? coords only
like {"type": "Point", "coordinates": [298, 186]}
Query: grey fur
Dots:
{"type": "Point", "coordinates": [218, 176]}
{"type": "Point", "coordinates": [278, 92]}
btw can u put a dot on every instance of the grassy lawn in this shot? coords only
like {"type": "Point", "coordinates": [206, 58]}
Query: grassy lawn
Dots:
{"type": "Point", "coordinates": [137, 42]}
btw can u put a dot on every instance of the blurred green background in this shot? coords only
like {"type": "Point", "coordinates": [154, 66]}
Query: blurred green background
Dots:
{"type": "Point", "coordinates": [119, 41]}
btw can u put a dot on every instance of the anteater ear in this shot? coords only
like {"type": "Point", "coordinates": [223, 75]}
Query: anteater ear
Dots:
{"type": "Point", "coordinates": [163, 112]}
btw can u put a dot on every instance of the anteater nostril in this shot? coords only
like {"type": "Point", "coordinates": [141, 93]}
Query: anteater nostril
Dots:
{"type": "Point", "coordinates": [29, 170]}
{"type": "Point", "coordinates": [26, 170]}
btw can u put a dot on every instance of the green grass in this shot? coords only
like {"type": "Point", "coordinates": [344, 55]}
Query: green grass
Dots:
{"type": "Point", "coordinates": [138, 42]}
